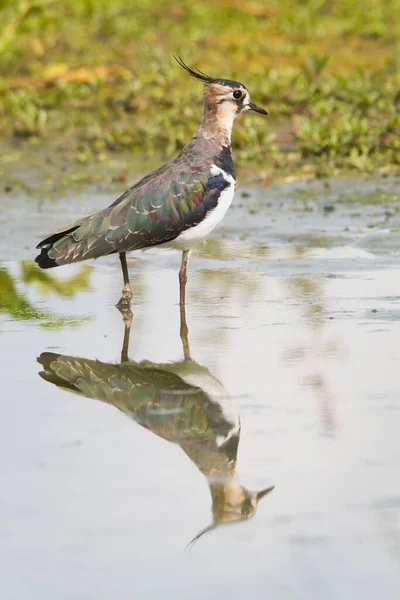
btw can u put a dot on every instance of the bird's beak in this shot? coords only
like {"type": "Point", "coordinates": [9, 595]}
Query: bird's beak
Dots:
{"type": "Point", "coordinates": [267, 490]}
{"type": "Point", "coordinates": [253, 106]}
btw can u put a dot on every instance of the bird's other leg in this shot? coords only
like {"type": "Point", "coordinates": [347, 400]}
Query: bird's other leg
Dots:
{"type": "Point", "coordinates": [125, 300]}
{"type": "Point", "coordinates": [183, 276]}
{"type": "Point", "coordinates": [184, 332]}
{"type": "Point", "coordinates": [127, 291]}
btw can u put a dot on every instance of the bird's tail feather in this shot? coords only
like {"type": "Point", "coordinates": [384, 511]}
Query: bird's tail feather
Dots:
{"type": "Point", "coordinates": [80, 241]}
{"type": "Point", "coordinates": [43, 259]}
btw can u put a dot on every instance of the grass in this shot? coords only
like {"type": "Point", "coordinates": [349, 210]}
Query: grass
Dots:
{"type": "Point", "coordinates": [91, 78]}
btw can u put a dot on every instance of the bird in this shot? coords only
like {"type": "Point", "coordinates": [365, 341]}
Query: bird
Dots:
{"type": "Point", "coordinates": [181, 402]}
{"type": "Point", "coordinates": [175, 206]}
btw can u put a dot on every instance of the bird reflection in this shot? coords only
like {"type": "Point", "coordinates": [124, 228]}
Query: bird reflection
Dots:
{"type": "Point", "coordinates": [181, 402]}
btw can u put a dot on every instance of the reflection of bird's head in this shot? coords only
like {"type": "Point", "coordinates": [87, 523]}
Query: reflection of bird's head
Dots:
{"type": "Point", "coordinates": [231, 503]}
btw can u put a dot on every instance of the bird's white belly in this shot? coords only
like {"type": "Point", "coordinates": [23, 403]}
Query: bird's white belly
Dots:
{"type": "Point", "coordinates": [192, 236]}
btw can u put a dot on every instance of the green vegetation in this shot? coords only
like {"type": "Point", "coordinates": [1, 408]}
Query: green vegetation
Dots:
{"type": "Point", "coordinates": [14, 302]}
{"type": "Point", "coordinates": [47, 284]}
{"type": "Point", "coordinates": [89, 78]}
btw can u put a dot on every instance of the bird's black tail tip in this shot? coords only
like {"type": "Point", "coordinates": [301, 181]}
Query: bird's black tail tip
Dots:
{"type": "Point", "coordinates": [44, 261]}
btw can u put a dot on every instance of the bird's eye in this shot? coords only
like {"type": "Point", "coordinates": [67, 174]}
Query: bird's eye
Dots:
{"type": "Point", "coordinates": [245, 510]}
{"type": "Point", "coordinates": [237, 94]}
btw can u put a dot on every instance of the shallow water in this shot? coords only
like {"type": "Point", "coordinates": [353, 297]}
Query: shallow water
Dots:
{"type": "Point", "coordinates": [294, 330]}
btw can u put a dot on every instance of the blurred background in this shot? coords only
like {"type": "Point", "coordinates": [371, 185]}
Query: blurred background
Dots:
{"type": "Point", "coordinates": [293, 307]}
{"type": "Point", "coordinates": [92, 78]}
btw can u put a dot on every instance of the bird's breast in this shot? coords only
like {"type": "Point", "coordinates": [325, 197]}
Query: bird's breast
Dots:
{"type": "Point", "coordinates": [193, 235]}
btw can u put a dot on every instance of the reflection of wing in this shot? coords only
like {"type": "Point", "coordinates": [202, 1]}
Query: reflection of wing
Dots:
{"type": "Point", "coordinates": [154, 211]}
{"type": "Point", "coordinates": [180, 402]}
{"type": "Point", "coordinates": [157, 399]}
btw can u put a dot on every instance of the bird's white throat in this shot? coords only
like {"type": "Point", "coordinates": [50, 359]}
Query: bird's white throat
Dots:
{"type": "Point", "coordinates": [225, 117]}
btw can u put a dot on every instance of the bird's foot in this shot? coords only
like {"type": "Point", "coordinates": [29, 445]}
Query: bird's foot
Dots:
{"type": "Point", "coordinates": [124, 304]}
{"type": "Point", "coordinates": [127, 292]}
{"type": "Point", "coordinates": [125, 300]}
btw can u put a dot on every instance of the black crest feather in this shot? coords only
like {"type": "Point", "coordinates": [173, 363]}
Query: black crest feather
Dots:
{"type": "Point", "coordinates": [197, 74]}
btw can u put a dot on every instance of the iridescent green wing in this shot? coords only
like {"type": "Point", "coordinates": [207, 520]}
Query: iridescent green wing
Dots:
{"type": "Point", "coordinates": [158, 211]}
{"type": "Point", "coordinates": [153, 212]}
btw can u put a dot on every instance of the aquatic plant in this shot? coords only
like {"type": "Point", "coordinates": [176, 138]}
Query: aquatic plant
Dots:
{"type": "Point", "coordinates": [94, 77]}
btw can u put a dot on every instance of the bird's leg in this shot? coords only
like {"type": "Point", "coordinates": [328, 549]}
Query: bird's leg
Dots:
{"type": "Point", "coordinates": [184, 332]}
{"type": "Point", "coordinates": [125, 300]}
{"type": "Point", "coordinates": [127, 291]}
{"type": "Point", "coordinates": [183, 276]}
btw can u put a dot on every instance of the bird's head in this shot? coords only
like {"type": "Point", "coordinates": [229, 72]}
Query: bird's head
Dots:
{"type": "Point", "coordinates": [223, 98]}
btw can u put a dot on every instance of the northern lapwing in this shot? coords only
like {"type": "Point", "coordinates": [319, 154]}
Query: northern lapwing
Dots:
{"type": "Point", "coordinates": [175, 206]}
{"type": "Point", "coordinates": [183, 403]}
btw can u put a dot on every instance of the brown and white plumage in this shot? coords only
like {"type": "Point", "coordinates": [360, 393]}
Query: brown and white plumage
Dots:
{"type": "Point", "coordinates": [177, 205]}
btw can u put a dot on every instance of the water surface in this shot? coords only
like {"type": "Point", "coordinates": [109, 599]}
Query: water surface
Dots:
{"type": "Point", "coordinates": [293, 352]}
